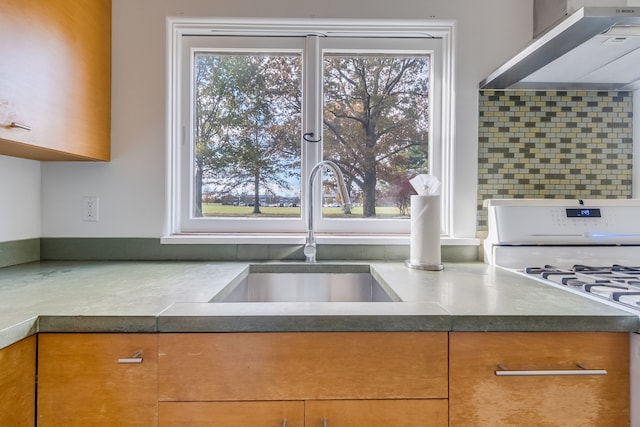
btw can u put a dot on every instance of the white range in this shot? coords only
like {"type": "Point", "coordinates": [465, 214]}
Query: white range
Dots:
{"type": "Point", "coordinates": [590, 247]}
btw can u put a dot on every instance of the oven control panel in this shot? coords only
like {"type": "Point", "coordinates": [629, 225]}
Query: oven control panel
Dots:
{"type": "Point", "coordinates": [583, 224]}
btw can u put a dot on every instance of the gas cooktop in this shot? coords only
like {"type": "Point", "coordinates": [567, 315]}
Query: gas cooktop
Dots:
{"type": "Point", "coordinates": [616, 283]}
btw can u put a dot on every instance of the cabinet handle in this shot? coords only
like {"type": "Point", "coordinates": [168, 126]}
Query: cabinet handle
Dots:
{"type": "Point", "coordinates": [135, 358]}
{"type": "Point", "coordinates": [503, 372]}
{"type": "Point", "coordinates": [19, 126]}
{"type": "Point", "coordinates": [325, 422]}
{"type": "Point", "coordinates": [284, 423]}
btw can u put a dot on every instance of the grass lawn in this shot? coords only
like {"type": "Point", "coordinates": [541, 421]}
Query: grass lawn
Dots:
{"type": "Point", "coordinates": [216, 209]}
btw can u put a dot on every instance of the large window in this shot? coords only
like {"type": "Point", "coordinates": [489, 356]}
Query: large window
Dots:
{"type": "Point", "coordinates": [254, 109]}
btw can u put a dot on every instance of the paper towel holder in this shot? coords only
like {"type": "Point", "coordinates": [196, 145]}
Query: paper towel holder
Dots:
{"type": "Point", "coordinates": [429, 267]}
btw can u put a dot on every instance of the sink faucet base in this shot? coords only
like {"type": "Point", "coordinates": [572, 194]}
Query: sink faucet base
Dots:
{"type": "Point", "coordinates": [310, 244]}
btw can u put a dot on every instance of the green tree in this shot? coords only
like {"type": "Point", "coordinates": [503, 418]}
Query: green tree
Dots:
{"type": "Point", "coordinates": [376, 109]}
{"type": "Point", "coordinates": [247, 112]}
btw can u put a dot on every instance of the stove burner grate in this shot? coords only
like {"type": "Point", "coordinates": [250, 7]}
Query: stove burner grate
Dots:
{"type": "Point", "coordinates": [618, 283]}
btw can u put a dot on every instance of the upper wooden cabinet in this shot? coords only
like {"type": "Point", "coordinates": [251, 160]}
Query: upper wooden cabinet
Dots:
{"type": "Point", "coordinates": [55, 79]}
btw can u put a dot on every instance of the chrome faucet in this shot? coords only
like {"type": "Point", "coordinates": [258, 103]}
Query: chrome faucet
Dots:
{"type": "Point", "coordinates": [310, 244]}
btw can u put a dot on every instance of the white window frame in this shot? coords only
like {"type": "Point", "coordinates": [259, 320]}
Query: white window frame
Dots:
{"type": "Point", "coordinates": [442, 116]}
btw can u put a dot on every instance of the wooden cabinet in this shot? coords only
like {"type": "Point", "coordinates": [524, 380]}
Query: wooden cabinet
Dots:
{"type": "Point", "coordinates": [381, 413]}
{"type": "Point", "coordinates": [314, 413]}
{"type": "Point", "coordinates": [55, 78]}
{"type": "Point", "coordinates": [18, 384]}
{"type": "Point", "coordinates": [232, 414]}
{"type": "Point", "coordinates": [481, 396]}
{"type": "Point", "coordinates": [97, 380]}
{"type": "Point", "coordinates": [318, 379]}
{"type": "Point", "coordinates": [347, 378]}
{"type": "Point", "coordinates": [301, 366]}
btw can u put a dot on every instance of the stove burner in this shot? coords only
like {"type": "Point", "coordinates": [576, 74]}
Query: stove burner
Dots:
{"type": "Point", "coordinates": [616, 282]}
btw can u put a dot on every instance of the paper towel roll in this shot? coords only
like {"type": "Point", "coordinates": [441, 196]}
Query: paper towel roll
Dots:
{"type": "Point", "coordinates": [425, 233]}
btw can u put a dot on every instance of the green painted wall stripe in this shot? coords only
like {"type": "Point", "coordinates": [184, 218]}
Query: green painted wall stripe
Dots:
{"type": "Point", "coordinates": [19, 252]}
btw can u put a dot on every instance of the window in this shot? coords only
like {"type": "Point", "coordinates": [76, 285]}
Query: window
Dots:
{"type": "Point", "coordinates": [253, 108]}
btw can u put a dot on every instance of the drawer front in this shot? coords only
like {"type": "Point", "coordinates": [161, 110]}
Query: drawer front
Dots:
{"type": "Point", "coordinates": [97, 380]}
{"type": "Point", "coordinates": [539, 382]}
{"type": "Point", "coordinates": [377, 413]}
{"type": "Point", "coordinates": [300, 366]}
{"type": "Point", "coordinates": [231, 414]}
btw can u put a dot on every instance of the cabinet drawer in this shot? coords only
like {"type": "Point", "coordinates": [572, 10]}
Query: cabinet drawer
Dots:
{"type": "Point", "coordinates": [480, 397]}
{"type": "Point", "coordinates": [377, 413]}
{"type": "Point", "coordinates": [300, 366]}
{"type": "Point", "coordinates": [97, 380]}
{"type": "Point", "coordinates": [231, 414]}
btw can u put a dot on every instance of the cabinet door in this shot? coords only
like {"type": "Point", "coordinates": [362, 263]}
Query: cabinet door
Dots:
{"type": "Point", "coordinates": [301, 366]}
{"type": "Point", "coordinates": [18, 384]}
{"type": "Point", "coordinates": [377, 413]}
{"type": "Point", "coordinates": [97, 380]}
{"type": "Point", "coordinates": [232, 414]}
{"type": "Point", "coordinates": [481, 396]}
{"type": "Point", "coordinates": [55, 78]}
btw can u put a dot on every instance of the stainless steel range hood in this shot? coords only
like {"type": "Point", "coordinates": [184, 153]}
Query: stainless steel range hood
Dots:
{"type": "Point", "coordinates": [593, 48]}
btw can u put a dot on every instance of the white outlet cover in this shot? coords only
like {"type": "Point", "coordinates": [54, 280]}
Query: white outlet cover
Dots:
{"type": "Point", "coordinates": [90, 208]}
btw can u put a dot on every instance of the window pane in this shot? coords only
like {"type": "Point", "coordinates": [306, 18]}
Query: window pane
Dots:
{"type": "Point", "coordinates": [376, 127]}
{"type": "Point", "coordinates": [247, 134]}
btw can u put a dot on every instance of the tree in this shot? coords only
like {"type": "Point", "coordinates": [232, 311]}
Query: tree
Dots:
{"type": "Point", "coordinates": [247, 116]}
{"type": "Point", "coordinates": [376, 109]}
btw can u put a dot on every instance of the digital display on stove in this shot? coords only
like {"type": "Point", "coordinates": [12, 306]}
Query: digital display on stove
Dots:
{"type": "Point", "coordinates": [583, 213]}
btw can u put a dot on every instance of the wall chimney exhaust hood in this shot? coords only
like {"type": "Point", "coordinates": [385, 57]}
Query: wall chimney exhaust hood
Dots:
{"type": "Point", "coordinates": [594, 48]}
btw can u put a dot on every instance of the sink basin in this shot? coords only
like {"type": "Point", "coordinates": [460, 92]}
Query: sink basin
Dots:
{"type": "Point", "coordinates": [306, 283]}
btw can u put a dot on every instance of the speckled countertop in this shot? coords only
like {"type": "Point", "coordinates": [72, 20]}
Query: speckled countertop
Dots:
{"type": "Point", "coordinates": [174, 297]}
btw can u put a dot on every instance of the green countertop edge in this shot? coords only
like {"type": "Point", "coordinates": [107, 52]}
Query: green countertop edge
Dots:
{"type": "Point", "coordinates": [201, 316]}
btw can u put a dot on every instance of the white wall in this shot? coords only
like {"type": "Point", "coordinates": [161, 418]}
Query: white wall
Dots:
{"type": "Point", "coordinates": [131, 187]}
{"type": "Point", "coordinates": [19, 199]}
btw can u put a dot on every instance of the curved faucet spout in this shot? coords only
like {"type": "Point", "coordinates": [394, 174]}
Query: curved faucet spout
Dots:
{"type": "Point", "coordinates": [310, 244]}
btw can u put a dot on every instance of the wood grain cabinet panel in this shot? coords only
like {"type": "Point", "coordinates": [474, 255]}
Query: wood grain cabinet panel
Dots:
{"type": "Point", "coordinates": [232, 414]}
{"type": "Point", "coordinates": [301, 366]}
{"type": "Point", "coordinates": [18, 384]}
{"type": "Point", "coordinates": [55, 78]}
{"type": "Point", "coordinates": [479, 397]}
{"type": "Point", "coordinates": [377, 413]}
{"type": "Point", "coordinates": [83, 380]}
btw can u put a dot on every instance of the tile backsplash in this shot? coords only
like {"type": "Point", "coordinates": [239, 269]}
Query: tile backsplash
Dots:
{"type": "Point", "coordinates": [553, 144]}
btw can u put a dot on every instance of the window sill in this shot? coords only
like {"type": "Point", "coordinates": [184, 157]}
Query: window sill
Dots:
{"type": "Point", "coordinates": [295, 239]}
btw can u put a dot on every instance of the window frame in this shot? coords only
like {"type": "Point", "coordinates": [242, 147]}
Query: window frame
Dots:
{"type": "Point", "coordinates": [177, 135]}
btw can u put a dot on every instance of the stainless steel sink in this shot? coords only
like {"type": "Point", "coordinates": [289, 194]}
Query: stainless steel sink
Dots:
{"type": "Point", "coordinates": [306, 283]}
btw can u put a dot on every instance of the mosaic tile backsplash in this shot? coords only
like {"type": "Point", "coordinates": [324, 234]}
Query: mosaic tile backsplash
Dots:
{"type": "Point", "coordinates": [553, 144]}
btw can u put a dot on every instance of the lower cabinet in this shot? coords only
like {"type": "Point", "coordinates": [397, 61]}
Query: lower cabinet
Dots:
{"type": "Point", "coordinates": [97, 380]}
{"type": "Point", "coordinates": [539, 379]}
{"type": "Point", "coordinates": [317, 379]}
{"type": "Point", "coordinates": [303, 366]}
{"type": "Point", "coordinates": [232, 414]}
{"type": "Point", "coordinates": [335, 379]}
{"type": "Point", "coordinates": [18, 384]}
{"type": "Point", "coordinates": [382, 413]}
{"type": "Point", "coordinates": [314, 413]}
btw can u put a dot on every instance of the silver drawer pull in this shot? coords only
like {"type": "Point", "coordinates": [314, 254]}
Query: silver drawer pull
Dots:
{"type": "Point", "coordinates": [19, 126]}
{"type": "Point", "coordinates": [284, 423]}
{"type": "Point", "coordinates": [136, 358]}
{"type": "Point", "coordinates": [503, 372]}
